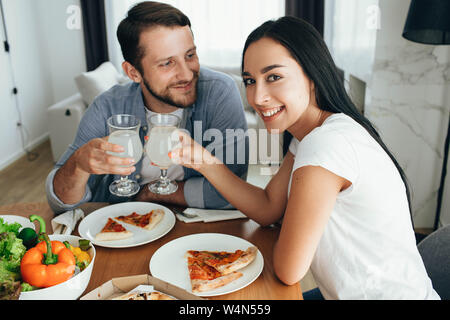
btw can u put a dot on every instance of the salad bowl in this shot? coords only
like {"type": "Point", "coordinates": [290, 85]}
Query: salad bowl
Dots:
{"type": "Point", "coordinates": [70, 289]}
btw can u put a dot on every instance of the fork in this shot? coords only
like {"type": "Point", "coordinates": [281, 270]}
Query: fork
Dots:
{"type": "Point", "coordinates": [187, 215]}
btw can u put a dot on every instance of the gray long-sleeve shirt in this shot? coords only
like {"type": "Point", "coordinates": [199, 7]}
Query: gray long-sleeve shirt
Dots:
{"type": "Point", "coordinates": [216, 121]}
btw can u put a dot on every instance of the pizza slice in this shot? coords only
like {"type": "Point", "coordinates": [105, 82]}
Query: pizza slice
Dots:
{"type": "Point", "coordinates": [226, 262]}
{"type": "Point", "coordinates": [205, 278]}
{"type": "Point", "coordinates": [113, 231]}
{"type": "Point", "coordinates": [156, 295]}
{"type": "Point", "coordinates": [146, 221]}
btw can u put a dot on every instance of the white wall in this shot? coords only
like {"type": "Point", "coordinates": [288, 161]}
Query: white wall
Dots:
{"type": "Point", "coordinates": [407, 96]}
{"type": "Point", "coordinates": [8, 134]}
{"type": "Point", "coordinates": [45, 57]}
{"type": "Point", "coordinates": [350, 32]}
{"type": "Point", "coordinates": [64, 46]}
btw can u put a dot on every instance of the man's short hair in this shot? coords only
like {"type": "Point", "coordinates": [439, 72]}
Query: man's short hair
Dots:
{"type": "Point", "coordinates": [140, 17]}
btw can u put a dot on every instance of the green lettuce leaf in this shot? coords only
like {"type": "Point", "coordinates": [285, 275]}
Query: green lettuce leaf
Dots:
{"type": "Point", "coordinates": [9, 227]}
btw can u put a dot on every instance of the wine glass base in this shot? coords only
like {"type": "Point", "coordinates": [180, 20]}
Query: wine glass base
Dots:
{"type": "Point", "coordinates": [161, 187]}
{"type": "Point", "coordinates": [124, 188]}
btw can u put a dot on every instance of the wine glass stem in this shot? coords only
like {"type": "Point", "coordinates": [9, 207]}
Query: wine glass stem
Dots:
{"type": "Point", "coordinates": [164, 176]}
{"type": "Point", "coordinates": [124, 183]}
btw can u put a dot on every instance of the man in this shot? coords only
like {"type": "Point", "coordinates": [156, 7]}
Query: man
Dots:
{"type": "Point", "coordinates": [161, 60]}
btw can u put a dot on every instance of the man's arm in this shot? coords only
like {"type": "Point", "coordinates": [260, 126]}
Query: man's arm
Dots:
{"type": "Point", "coordinates": [69, 183]}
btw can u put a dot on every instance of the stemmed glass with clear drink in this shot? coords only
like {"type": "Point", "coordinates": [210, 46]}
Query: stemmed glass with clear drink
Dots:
{"type": "Point", "coordinates": [124, 131]}
{"type": "Point", "coordinates": [162, 139]}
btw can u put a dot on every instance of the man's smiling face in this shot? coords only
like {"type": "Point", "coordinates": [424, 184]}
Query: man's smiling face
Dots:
{"type": "Point", "coordinates": [170, 68]}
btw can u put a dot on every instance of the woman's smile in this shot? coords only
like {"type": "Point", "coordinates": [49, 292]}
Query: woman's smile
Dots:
{"type": "Point", "coordinates": [271, 114]}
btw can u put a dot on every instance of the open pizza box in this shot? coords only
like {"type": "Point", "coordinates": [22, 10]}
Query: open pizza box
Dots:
{"type": "Point", "coordinates": [119, 286]}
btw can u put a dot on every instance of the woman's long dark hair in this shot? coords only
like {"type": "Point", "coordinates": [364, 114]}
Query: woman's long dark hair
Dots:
{"type": "Point", "coordinates": [307, 46]}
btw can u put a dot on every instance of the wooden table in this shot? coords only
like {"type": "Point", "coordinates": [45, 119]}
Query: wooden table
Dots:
{"type": "Point", "coordinates": [111, 263]}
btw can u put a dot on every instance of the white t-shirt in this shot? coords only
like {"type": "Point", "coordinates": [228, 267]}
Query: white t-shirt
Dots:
{"type": "Point", "coordinates": [368, 248]}
{"type": "Point", "coordinates": [149, 172]}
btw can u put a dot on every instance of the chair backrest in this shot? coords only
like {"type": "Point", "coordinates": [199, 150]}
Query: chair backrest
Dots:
{"type": "Point", "coordinates": [93, 83]}
{"type": "Point", "coordinates": [435, 252]}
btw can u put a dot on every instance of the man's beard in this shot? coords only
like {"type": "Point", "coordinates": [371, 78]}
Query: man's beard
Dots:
{"type": "Point", "coordinates": [168, 99]}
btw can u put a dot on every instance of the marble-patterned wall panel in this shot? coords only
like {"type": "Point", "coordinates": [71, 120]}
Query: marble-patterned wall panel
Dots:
{"type": "Point", "coordinates": [408, 104]}
{"type": "Point", "coordinates": [409, 131]}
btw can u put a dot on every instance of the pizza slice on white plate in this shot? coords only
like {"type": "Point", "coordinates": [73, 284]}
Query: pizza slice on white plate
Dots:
{"type": "Point", "coordinates": [113, 231]}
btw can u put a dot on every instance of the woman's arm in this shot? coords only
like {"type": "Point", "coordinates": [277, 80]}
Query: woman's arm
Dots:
{"type": "Point", "coordinates": [312, 197]}
{"type": "Point", "coordinates": [265, 206]}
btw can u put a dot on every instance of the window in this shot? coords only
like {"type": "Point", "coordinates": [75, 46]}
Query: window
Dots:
{"type": "Point", "coordinates": [220, 27]}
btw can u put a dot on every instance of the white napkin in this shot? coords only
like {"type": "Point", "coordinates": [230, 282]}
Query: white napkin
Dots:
{"type": "Point", "coordinates": [207, 215]}
{"type": "Point", "coordinates": [65, 223]}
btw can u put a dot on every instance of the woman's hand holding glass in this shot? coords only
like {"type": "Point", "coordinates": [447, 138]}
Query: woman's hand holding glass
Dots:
{"type": "Point", "coordinates": [161, 140]}
{"type": "Point", "coordinates": [191, 154]}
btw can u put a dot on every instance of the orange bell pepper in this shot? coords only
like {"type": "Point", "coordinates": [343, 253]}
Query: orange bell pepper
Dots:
{"type": "Point", "coordinates": [47, 264]}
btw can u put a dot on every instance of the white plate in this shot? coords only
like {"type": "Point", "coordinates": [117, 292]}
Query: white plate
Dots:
{"type": "Point", "coordinates": [95, 221]}
{"type": "Point", "coordinates": [24, 222]}
{"type": "Point", "coordinates": [169, 263]}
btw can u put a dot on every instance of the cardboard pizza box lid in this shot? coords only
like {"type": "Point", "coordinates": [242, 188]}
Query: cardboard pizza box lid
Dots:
{"type": "Point", "coordinates": [119, 286]}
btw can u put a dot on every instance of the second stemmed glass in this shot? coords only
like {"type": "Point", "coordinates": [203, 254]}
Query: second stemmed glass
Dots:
{"type": "Point", "coordinates": [124, 131]}
{"type": "Point", "coordinates": [162, 139]}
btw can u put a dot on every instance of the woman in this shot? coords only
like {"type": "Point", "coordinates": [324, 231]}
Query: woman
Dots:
{"type": "Point", "coordinates": [341, 195]}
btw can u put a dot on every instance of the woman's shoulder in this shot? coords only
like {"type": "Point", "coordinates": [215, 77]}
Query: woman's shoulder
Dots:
{"type": "Point", "coordinates": [337, 123]}
{"type": "Point", "coordinates": [330, 146]}
{"type": "Point", "coordinates": [336, 129]}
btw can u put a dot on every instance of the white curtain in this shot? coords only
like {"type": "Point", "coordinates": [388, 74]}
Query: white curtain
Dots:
{"type": "Point", "coordinates": [220, 27]}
